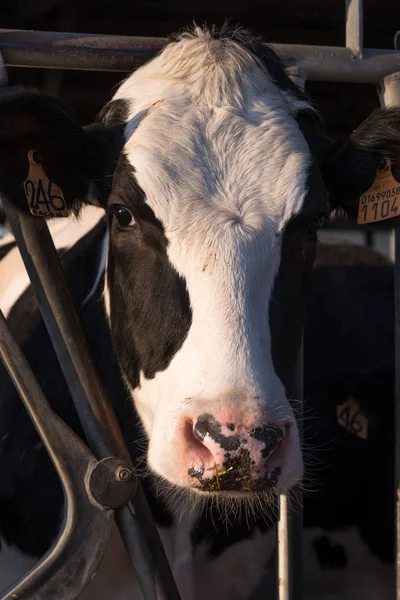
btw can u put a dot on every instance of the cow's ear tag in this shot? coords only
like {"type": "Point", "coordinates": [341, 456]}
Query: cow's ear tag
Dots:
{"type": "Point", "coordinates": [382, 200]}
{"type": "Point", "coordinates": [45, 198]}
{"type": "Point", "coordinates": [352, 419]}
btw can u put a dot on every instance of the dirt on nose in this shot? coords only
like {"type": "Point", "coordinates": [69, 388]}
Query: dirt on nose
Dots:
{"type": "Point", "coordinates": [238, 472]}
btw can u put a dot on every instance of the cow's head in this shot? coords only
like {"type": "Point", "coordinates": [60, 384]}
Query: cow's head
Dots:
{"type": "Point", "coordinates": [212, 168]}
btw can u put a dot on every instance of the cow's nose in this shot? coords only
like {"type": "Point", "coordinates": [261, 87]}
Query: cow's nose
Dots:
{"type": "Point", "coordinates": [232, 457]}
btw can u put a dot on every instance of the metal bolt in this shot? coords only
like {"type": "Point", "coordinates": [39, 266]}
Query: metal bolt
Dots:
{"type": "Point", "coordinates": [123, 474]}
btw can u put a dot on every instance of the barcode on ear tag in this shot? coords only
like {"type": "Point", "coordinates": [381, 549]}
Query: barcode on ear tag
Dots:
{"type": "Point", "coordinates": [45, 198]}
{"type": "Point", "coordinates": [352, 419]}
{"type": "Point", "coordinates": [382, 200]}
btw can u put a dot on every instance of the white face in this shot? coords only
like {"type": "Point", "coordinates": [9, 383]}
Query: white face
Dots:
{"type": "Point", "coordinates": [223, 166]}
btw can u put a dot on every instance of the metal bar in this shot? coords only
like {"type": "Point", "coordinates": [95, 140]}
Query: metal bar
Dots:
{"type": "Point", "coordinates": [389, 90]}
{"type": "Point", "coordinates": [389, 94]}
{"type": "Point", "coordinates": [90, 52]}
{"type": "Point", "coordinates": [86, 528]}
{"type": "Point", "coordinates": [354, 25]}
{"type": "Point", "coordinates": [97, 417]}
{"type": "Point", "coordinates": [290, 524]}
{"type": "Point", "coordinates": [397, 400]}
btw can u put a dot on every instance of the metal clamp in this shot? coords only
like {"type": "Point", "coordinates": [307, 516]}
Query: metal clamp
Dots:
{"type": "Point", "coordinates": [86, 527]}
{"type": "Point", "coordinates": [110, 483]}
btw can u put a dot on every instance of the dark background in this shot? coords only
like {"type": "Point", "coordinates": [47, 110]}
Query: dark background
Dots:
{"type": "Point", "coordinates": [320, 22]}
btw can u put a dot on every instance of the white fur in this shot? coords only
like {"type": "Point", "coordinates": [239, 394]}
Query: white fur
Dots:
{"type": "Point", "coordinates": [223, 165]}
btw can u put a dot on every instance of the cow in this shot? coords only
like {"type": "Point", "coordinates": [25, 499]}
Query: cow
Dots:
{"type": "Point", "coordinates": [213, 172]}
{"type": "Point", "coordinates": [349, 509]}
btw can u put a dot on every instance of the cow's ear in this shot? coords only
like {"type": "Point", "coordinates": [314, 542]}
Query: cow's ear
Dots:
{"type": "Point", "coordinates": [350, 168]}
{"type": "Point", "coordinates": [42, 143]}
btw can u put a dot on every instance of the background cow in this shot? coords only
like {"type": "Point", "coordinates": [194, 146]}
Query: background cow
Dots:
{"type": "Point", "coordinates": [212, 167]}
{"type": "Point", "coordinates": [349, 354]}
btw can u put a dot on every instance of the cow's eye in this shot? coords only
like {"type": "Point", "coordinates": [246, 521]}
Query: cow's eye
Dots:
{"type": "Point", "coordinates": [124, 216]}
{"type": "Point", "coordinates": [316, 223]}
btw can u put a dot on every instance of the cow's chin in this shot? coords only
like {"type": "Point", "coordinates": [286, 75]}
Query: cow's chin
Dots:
{"type": "Point", "coordinates": [231, 506]}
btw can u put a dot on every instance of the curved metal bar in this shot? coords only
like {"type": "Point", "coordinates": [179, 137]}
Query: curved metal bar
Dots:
{"type": "Point", "coordinates": [74, 559]}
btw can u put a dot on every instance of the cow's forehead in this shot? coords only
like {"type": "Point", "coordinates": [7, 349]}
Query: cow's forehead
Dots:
{"type": "Point", "coordinates": [223, 164]}
{"type": "Point", "coordinates": [214, 140]}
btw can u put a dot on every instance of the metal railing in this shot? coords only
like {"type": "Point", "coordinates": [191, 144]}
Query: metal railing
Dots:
{"type": "Point", "coordinates": [352, 63]}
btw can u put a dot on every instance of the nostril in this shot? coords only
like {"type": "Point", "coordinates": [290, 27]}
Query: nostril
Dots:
{"type": "Point", "coordinates": [194, 442]}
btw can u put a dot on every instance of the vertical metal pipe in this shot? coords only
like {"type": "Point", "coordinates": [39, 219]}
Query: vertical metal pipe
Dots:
{"type": "Point", "coordinates": [290, 525]}
{"type": "Point", "coordinates": [397, 401]}
{"type": "Point", "coordinates": [354, 25]}
{"type": "Point", "coordinates": [389, 94]}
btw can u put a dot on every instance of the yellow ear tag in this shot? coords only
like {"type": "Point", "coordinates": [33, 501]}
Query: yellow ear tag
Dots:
{"type": "Point", "coordinates": [45, 198]}
{"type": "Point", "coordinates": [352, 419]}
{"type": "Point", "coordinates": [382, 200]}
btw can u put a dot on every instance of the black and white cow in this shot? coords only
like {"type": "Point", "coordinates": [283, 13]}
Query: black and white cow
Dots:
{"type": "Point", "coordinates": [212, 167]}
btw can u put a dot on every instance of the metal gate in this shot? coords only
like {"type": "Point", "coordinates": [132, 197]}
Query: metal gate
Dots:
{"type": "Point", "coordinates": [103, 477]}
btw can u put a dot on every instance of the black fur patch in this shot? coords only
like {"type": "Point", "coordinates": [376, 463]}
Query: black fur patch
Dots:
{"type": "Point", "coordinates": [150, 306]}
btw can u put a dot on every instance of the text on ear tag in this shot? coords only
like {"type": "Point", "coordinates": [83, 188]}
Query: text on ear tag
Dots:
{"type": "Point", "coordinates": [352, 419]}
{"type": "Point", "coordinates": [382, 200]}
{"type": "Point", "coordinates": [45, 198]}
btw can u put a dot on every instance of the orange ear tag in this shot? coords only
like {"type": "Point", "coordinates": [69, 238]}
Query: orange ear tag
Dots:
{"type": "Point", "coordinates": [382, 200]}
{"type": "Point", "coordinates": [45, 198]}
{"type": "Point", "coordinates": [352, 419]}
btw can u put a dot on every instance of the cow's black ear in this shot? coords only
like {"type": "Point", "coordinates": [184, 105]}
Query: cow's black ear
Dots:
{"type": "Point", "coordinates": [350, 167]}
{"type": "Point", "coordinates": [37, 129]}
